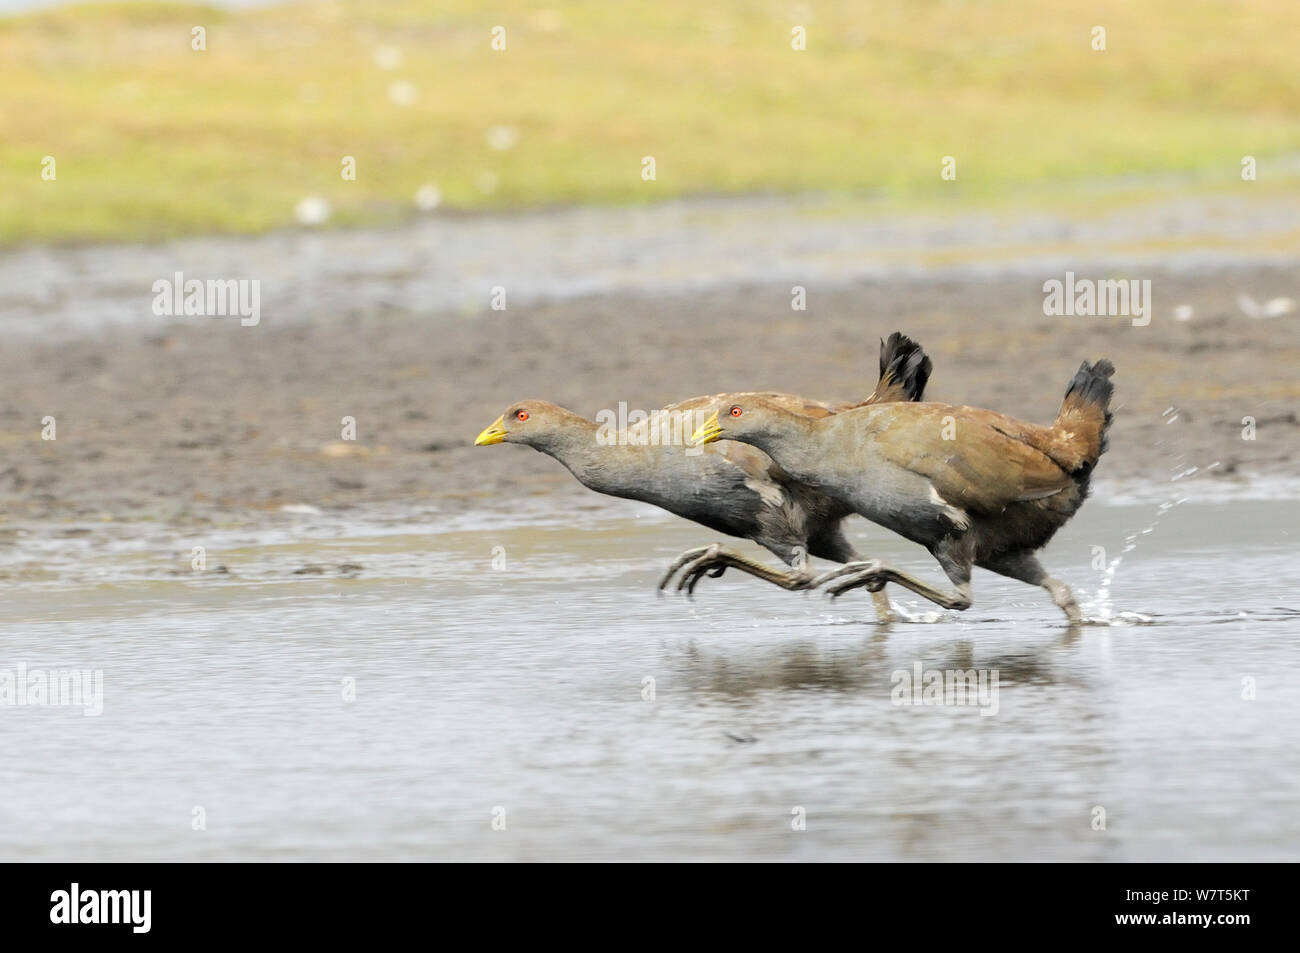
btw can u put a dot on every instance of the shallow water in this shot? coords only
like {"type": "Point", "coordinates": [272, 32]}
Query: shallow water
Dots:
{"type": "Point", "coordinates": [521, 688]}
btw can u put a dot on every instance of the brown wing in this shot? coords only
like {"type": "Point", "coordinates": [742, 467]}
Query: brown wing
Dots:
{"type": "Point", "coordinates": [987, 464]}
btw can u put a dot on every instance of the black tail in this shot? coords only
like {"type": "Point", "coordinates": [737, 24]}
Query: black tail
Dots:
{"type": "Point", "coordinates": [904, 365]}
{"type": "Point", "coordinates": [1086, 400]}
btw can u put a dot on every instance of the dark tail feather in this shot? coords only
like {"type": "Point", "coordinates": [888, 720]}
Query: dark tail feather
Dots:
{"type": "Point", "coordinates": [904, 367]}
{"type": "Point", "coordinates": [1086, 407]}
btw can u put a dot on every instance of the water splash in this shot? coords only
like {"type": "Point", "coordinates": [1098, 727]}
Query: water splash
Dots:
{"type": "Point", "coordinates": [1102, 607]}
{"type": "Point", "coordinates": [903, 613]}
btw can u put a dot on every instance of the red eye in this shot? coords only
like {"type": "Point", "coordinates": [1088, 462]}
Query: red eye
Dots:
{"type": "Point", "coordinates": [522, 415]}
{"type": "Point", "coordinates": [736, 411]}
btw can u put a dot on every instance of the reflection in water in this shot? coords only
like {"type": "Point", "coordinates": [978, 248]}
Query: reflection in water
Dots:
{"type": "Point", "coordinates": [800, 666]}
{"type": "Point", "coordinates": [864, 665]}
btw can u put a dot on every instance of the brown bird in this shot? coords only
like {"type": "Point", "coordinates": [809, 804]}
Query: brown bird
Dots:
{"type": "Point", "coordinates": [972, 486]}
{"type": "Point", "coordinates": [731, 488]}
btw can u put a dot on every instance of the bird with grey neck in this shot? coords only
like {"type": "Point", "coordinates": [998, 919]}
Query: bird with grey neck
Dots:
{"type": "Point", "coordinates": [730, 488]}
{"type": "Point", "coordinates": [972, 486]}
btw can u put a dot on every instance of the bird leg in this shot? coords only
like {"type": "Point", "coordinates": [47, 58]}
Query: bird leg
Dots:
{"type": "Point", "coordinates": [873, 575]}
{"type": "Point", "coordinates": [884, 608]}
{"type": "Point", "coordinates": [1027, 568]}
{"type": "Point", "coordinates": [852, 568]}
{"type": "Point", "coordinates": [1064, 599]}
{"type": "Point", "coordinates": [715, 559]}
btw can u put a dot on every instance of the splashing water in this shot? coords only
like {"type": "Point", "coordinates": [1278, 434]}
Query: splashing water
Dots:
{"type": "Point", "coordinates": [1102, 607]}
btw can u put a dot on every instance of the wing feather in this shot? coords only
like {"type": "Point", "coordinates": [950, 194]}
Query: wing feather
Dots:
{"type": "Point", "coordinates": [983, 468]}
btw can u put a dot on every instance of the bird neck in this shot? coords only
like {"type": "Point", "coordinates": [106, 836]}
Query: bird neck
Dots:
{"type": "Point", "coordinates": [796, 443]}
{"type": "Point", "coordinates": [579, 448]}
{"type": "Point", "coordinates": [609, 466]}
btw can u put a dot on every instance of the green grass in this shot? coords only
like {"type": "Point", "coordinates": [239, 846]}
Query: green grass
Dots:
{"type": "Point", "coordinates": [153, 139]}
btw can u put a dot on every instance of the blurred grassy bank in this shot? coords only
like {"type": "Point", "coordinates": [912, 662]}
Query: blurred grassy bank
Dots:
{"type": "Point", "coordinates": [153, 139]}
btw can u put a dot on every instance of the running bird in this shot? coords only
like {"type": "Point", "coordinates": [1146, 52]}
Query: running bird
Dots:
{"type": "Point", "coordinates": [731, 488]}
{"type": "Point", "coordinates": [972, 486]}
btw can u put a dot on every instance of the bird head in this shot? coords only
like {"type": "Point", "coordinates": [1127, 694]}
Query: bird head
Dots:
{"type": "Point", "coordinates": [747, 418]}
{"type": "Point", "coordinates": [534, 423]}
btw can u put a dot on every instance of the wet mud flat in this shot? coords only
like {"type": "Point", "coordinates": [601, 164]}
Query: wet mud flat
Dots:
{"type": "Point", "coordinates": [204, 421]}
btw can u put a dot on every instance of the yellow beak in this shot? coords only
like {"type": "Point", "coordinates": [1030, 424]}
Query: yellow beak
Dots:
{"type": "Point", "coordinates": [708, 431]}
{"type": "Point", "coordinates": [495, 433]}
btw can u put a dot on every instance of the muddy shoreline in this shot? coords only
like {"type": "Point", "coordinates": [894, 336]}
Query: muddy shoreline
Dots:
{"type": "Point", "coordinates": [207, 421]}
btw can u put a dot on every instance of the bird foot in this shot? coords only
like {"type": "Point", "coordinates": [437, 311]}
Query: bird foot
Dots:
{"type": "Point", "coordinates": [690, 556]}
{"type": "Point", "coordinates": [712, 563]}
{"type": "Point", "coordinates": [695, 564]}
{"type": "Point", "coordinates": [870, 579]}
{"type": "Point", "coordinates": [856, 568]}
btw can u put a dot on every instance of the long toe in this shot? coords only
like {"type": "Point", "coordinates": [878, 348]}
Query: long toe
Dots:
{"type": "Point", "coordinates": [692, 582]}
{"type": "Point", "coordinates": [693, 570]}
{"type": "Point", "coordinates": [869, 579]}
{"type": "Point", "coordinates": [702, 569]}
{"type": "Point", "coordinates": [848, 569]}
{"type": "Point", "coordinates": [689, 556]}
